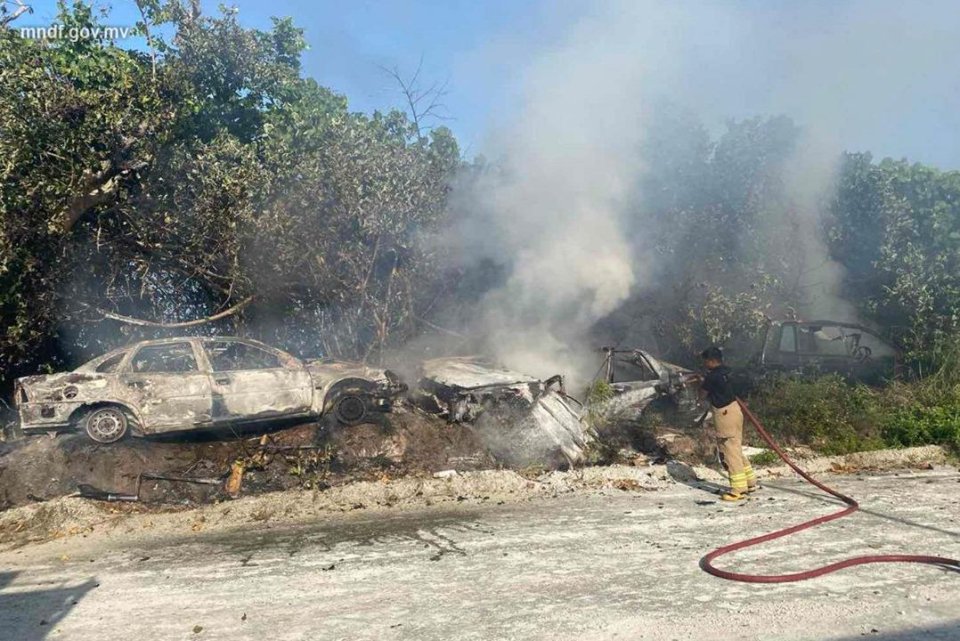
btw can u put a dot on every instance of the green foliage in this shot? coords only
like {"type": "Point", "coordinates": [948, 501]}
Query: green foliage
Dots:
{"type": "Point", "coordinates": [174, 183]}
{"type": "Point", "coordinates": [742, 244]}
{"type": "Point", "coordinates": [598, 392]}
{"type": "Point", "coordinates": [924, 424]}
{"type": "Point", "coordinates": [923, 412]}
{"type": "Point", "coordinates": [829, 414]}
{"type": "Point", "coordinates": [725, 261]}
{"type": "Point", "coordinates": [765, 458]}
{"type": "Point", "coordinates": [896, 228]}
{"type": "Point", "coordinates": [836, 417]}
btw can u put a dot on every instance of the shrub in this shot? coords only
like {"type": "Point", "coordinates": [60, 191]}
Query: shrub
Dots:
{"type": "Point", "coordinates": [921, 424]}
{"type": "Point", "coordinates": [829, 414]}
{"type": "Point", "coordinates": [765, 458]}
{"type": "Point", "coordinates": [835, 416]}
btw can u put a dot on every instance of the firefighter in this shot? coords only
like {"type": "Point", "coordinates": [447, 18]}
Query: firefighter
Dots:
{"type": "Point", "coordinates": [728, 420]}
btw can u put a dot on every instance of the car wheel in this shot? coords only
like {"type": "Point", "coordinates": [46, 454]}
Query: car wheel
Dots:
{"type": "Point", "coordinates": [106, 424]}
{"type": "Point", "coordinates": [350, 409]}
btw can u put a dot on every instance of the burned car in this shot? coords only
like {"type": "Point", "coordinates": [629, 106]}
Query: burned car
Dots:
{"type": "Point", "coordinates": [521, 419]}
{"type": "Point", "coordinates": [636, 379]}
{"type": "Point", "coordinates": [177, 384]}
{"type": "Point", "coordinates": [825, 346]}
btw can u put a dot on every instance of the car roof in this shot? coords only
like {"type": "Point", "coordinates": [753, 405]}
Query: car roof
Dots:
{"type": "Point", "coordinates": [93, 362]}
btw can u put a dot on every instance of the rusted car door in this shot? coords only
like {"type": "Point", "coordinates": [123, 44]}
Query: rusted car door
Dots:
{"type": "Point", "coordinates": [251, 383]}
{"type": "Point", "coordinates": [165, 383]}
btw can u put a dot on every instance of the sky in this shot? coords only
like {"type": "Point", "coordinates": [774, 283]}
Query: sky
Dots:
{"type": "Point", "coordinates": [876, 75]}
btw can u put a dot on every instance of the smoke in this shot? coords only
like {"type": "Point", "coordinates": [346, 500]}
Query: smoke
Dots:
{"type": "Point", "coordinates": [552, 214]}
{"type": "Point", "coordinates": [810, 180]}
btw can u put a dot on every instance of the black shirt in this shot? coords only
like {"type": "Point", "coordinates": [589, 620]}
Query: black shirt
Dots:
{"type": "Point", "coordinates": [718, 387]}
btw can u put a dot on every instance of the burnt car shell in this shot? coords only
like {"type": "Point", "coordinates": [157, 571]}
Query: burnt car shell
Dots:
{"type": "Point", "coordinates": [460, 387]}
{"type": "Point", "coordinates": [826, 346]}
{"type": "Point", "coordinates": [637, 379]}
{"type": "Point", "coordinates": [185, 383]}
{"type": "Point", "coordinates": [379, 388]}
{"type": "Point", "coordinates": [521, 419]}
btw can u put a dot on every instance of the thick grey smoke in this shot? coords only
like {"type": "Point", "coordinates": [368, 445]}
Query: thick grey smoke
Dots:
{"type": "Point", "coordinates": [552, 212]}
{"type": "Point", "coordinates": [810, 180]}
{"type": "Point", "coordinates": [568, 161]}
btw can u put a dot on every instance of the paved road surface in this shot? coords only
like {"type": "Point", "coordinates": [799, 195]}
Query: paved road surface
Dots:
{"type": "Point", "coordinates": [616, 566]}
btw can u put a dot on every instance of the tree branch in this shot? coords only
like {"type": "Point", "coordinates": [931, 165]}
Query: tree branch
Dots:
{"type": "Point", "coordinates": [146, 31]}
{"type": "Point", "coordinates": [7, 16]}
{"type": "Point", "coordinates": [129, 320]}
{"type": "Point", "coordinates": [101, 186]}
{"type": "Point", "coordinates": [414, 95]}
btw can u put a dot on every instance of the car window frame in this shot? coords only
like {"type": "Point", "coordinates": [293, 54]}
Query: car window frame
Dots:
{"type": "Point", "coordinates": [107, 357]}
{"type": "Point", "coordinates": [793, 330]}
{"type": "Point", "coordinates": [127, 367]}
{"type": "Point", "coordinates": [280, 356]}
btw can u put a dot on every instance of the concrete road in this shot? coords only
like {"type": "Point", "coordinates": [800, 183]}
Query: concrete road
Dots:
{"type": "Point", "coordinates": [619, 565]}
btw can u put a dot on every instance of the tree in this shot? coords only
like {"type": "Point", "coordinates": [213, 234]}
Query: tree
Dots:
{"type": "Point", "coordinates": [896, 228]}
{"type": "Point", "coordinates": [205, 183]}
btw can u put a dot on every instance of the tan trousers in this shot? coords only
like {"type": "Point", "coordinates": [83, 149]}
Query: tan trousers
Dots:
{"type": "Point", "coordinates": [729, 423]}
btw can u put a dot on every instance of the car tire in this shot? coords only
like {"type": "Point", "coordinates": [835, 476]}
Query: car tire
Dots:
{"type": "Point", "coordinates": [106, 424]}
{"type": "Point", "coordinates": [350, 409]}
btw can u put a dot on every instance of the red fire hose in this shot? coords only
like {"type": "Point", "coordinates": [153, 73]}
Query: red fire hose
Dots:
{"type": "Point", "coordinates": [706, 563]}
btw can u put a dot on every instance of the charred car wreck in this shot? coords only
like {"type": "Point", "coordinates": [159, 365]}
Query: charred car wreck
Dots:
{"type": "Point", "coordinates": [636, 379]}
{"type": "Point", "coordinates": [824, 346]}
{"type": "Point", "coordinates": [521, 419]}
{"type": "Point", "coordinates": [178, 384]}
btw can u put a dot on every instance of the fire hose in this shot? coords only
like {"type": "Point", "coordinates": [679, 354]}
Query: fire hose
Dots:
{"type": "Point", "coordinates": [706, 563]}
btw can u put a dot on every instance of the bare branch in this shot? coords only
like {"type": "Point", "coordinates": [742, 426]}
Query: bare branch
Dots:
{"type": "Point", "coordinates": [416, 96]}
{"type": "Point", "coordinates": [129, 320]}
{"type": "Point", "coordinates": [442, 330]}
{"type": "Point", "coordinates": [7, 15]}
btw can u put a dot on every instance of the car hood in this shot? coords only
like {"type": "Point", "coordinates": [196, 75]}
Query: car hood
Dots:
{"type": "Point", "coordinates": [470, 373]}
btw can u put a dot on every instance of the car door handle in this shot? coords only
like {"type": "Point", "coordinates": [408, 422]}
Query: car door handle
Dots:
{"type": "Point", "coordinates": [222, 380]}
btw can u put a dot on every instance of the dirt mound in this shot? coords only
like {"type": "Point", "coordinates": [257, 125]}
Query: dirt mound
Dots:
{"type": "Point", "coordinates": [68, 516]}
{"type": "Point", "coordinates": [308, 456]}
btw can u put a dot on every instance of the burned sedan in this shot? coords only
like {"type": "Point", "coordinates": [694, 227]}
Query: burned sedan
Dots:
{"type": "Point", "coordinates": [636, 379]}
{"type": "Point", "coordinates": [521, 419]}
{"type": "Point", "coordinates": [177, 384]}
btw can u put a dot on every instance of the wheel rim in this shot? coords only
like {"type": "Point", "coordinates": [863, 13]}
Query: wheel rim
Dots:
{"type": "Point", "coordinates": [106, 425]}
{"type": "Point", "coordinates": [350, 409]}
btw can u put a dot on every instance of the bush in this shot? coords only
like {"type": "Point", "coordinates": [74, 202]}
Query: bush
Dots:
{"type": "Point", "coordinates": [765, 458]}
{"type": "Point", "coordinates": [829, 414]}
{"type": "Point", "coordinates": [921, 423]}
{"type": "Point", "coordinates": [835, 416]}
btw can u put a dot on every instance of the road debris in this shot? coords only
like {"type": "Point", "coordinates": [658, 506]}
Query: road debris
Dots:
{"type": "Point", "coordinates": [235, 480]}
